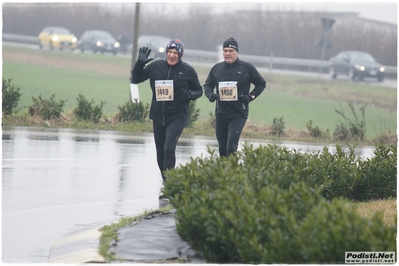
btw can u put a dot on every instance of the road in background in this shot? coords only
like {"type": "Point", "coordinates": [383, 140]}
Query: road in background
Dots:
{"type": "Point", "coordinates": [389, 83]}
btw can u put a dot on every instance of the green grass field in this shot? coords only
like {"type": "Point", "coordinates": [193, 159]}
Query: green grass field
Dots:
{"type": "Point", "coordinates": [106, 78]}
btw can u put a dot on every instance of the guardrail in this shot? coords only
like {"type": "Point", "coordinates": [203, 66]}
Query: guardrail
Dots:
{"type": "Point", "coordinates": [9, 37]}
{"type": "Point", "coordinates": [308, 65]}
{"type": "Point", "coordinates": [260, 61]}
{"type": "Point", "coordinates": [271, 62]}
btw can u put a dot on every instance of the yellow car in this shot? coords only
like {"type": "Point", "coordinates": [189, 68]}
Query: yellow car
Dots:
{"type": "Point", "coordinates": [57, 37]}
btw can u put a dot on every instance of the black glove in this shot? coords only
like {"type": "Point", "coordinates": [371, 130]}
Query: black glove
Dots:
{"type": "Point", "coordinates": [144, 52]}
{"type": "Point", "coordinates": [245, 99]}
{"type": "Point", "coordinates": [185, 94]}
{"type": "Point", "coordinates": [213, 97]}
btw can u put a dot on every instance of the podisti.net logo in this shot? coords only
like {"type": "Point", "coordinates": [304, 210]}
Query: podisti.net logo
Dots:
{"type": "Point", "coordinates": [357, 257]}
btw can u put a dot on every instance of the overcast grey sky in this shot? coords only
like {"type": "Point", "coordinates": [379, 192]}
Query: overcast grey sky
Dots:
{"type": "Point", "coordinates": [381, 11]}
{"type": "Point", "coordinates": [384, 11]}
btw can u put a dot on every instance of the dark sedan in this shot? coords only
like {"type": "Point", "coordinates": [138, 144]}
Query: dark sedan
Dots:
{"type": "Point", "coordinates": [157, 44]}
{"type": "Point", "coordinates": [98, 41]}
{"type": "Point", "coordinates": [356, 65]}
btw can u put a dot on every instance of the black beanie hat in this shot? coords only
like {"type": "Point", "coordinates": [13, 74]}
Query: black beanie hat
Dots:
{"type": "Point", "coordinates": [232, 43]}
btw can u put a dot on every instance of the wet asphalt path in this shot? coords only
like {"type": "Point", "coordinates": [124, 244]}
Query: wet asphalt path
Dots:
{"type": "Point", "coordinates": [59, 181]}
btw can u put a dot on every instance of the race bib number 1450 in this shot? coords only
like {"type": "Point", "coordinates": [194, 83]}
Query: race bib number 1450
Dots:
{"type": "Point", "coordinates": [228, 91]}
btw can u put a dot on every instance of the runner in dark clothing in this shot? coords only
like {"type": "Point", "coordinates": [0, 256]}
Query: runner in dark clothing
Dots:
{"type": "Point", "coordinates": [232, 79]}
{"type": "Point", "coordinates": [173, 83]}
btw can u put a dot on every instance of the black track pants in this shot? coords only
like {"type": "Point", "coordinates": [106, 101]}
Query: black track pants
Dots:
{"type": "Point", "coordinates": [228, 131]}
{"type": "Point", "coordinates": [166, 137]}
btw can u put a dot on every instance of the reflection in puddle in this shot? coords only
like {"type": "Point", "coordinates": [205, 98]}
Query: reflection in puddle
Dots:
{"type": "Point", "coordinates": [7, 137]}
{"type": "Point", "coordinates": [43, 137]}
{"type": "Point", "coordinates": [130, 141]}
{"type": "Point", "coordinates": [86, 139]}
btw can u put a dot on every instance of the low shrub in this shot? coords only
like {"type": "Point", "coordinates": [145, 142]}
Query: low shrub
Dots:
{"type": "Point", "coordinates": [274, 205]}
{"type": "Point", "coordinates": [315, 131]}
{"type": "Point", "coordinates": [331, 228]}
{"type": "Point", "coordinates": [193, 113]}
{"type": "Point", "coordinates": [278, 126]}
{"type": "Point", "coordinates": [356, 127]}
{"type": "Point", "coordinates": [11, 97]}
{"type": "Point", "coordinates": [133, 111]}
{"type": "Point", "coordinates": [46, 108]}
{"type": "Point", "coordinates": [341, 171]}
{"type": "Point", "coordinates": [87, 110]}
{"type": "Point", "coordinates": [334, 173]}
{"type": "Point", "coordinates": [341, 132]}
{"type": "Point", "coordinates": [378, 175]}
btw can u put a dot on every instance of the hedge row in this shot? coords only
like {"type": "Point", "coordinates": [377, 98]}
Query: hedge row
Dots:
{"type": "Point", "coordinates": [86, 110]}
{"type": "Point", "coordinates": [274, 205]}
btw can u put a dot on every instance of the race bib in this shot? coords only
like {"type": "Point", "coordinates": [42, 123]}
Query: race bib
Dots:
{"type": "Point", "coordinates": [228, 91]}
{"type": "Point", "coordinates": [164, 90]}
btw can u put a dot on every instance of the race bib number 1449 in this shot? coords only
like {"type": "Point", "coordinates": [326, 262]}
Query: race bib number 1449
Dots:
{"type": "Point", "coordinates": [164, 90]}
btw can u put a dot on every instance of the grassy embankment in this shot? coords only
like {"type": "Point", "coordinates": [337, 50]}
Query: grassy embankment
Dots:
{"type": "Point", "coordinates": [106, 78]}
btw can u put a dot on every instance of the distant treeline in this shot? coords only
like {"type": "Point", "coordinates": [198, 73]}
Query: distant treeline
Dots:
{"type": "Point", "coordinates": [283, 34]}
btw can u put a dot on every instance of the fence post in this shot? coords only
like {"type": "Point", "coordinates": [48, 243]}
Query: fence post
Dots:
{"type": "Point", "coordinates": [220, 53]}
{"type": "Point", "coordinates": [271, 63]}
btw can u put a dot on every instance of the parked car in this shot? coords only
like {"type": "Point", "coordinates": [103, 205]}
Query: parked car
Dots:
{"type": "Point", "coordinates": [98, 41]}
{"type": "Point", "coordinates": [125, 43]}
{"type": "Point", "coordinates": [356, 64]}
{"type": "Point", "coordinates": [57, 37]}
{"type": "Point", "coordinates": [157, 44]}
